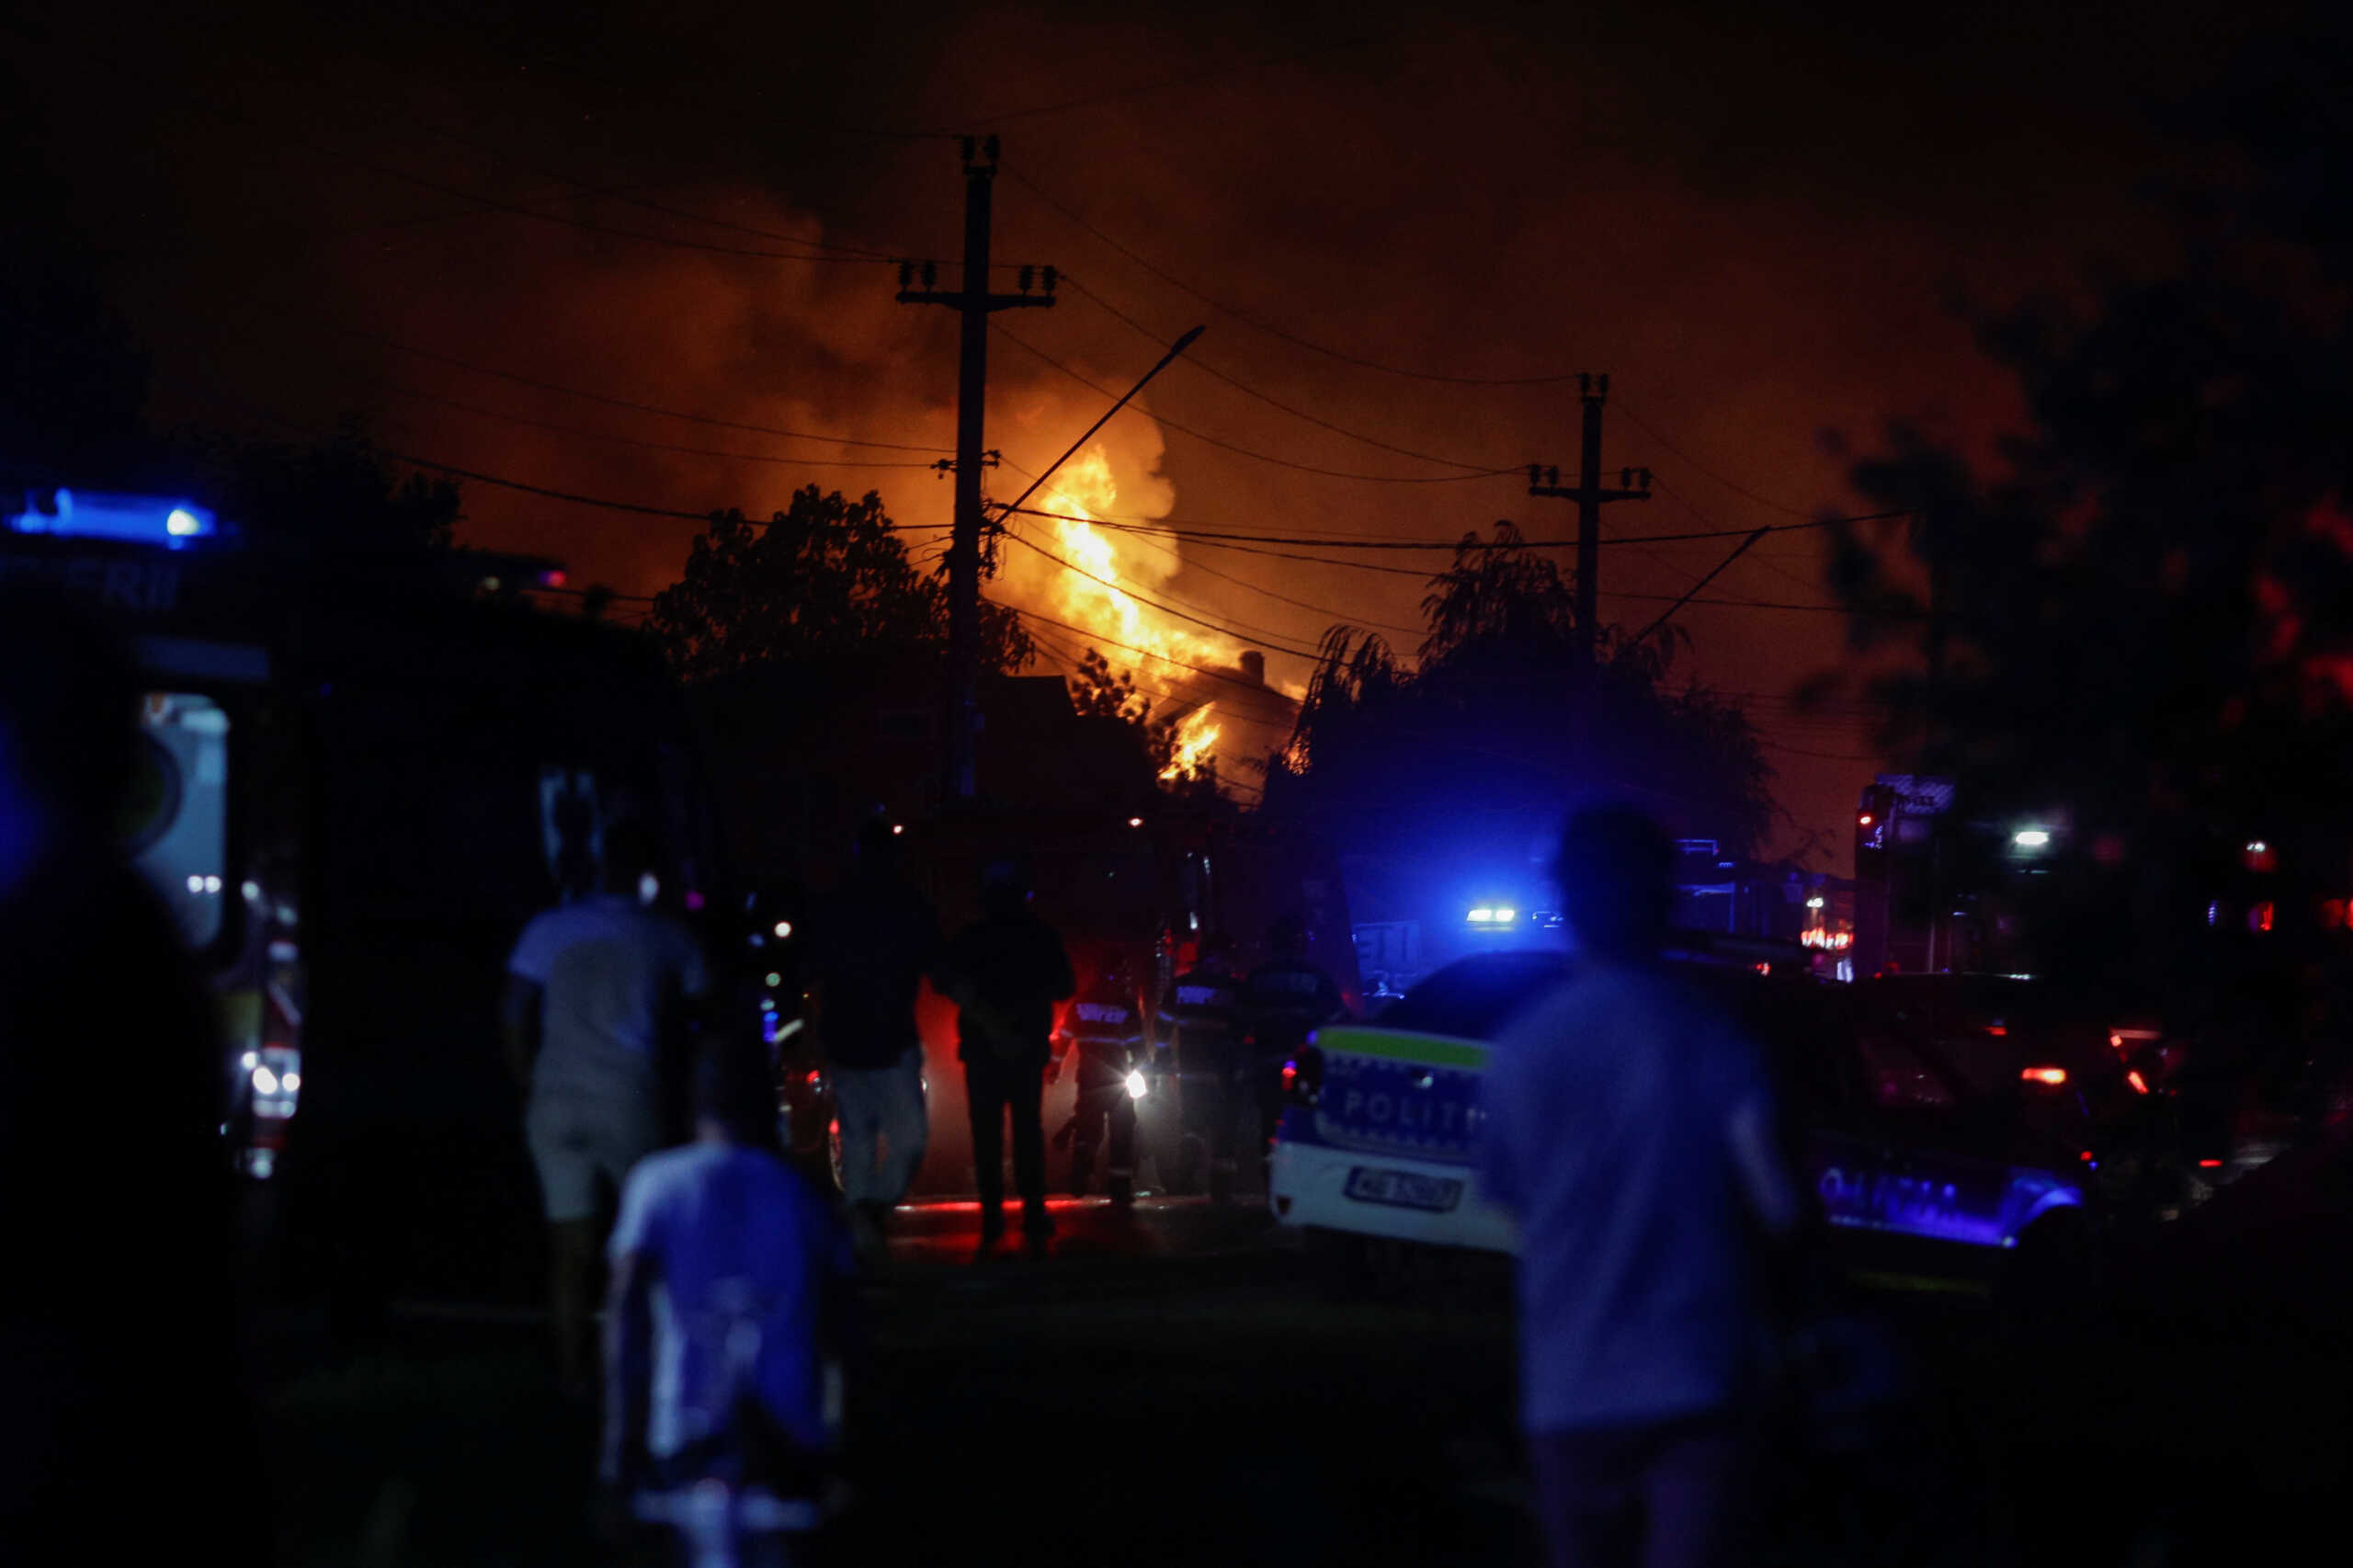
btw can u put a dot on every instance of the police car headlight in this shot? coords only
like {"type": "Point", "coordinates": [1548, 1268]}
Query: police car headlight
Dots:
{"type": "Point", "coordinates": [1136, 1086]}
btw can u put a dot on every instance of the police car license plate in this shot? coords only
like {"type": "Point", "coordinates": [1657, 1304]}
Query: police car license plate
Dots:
{"type": "Point", "coordinates": [1404, 1189]}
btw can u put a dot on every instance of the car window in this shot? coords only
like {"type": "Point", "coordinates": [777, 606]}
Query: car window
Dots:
{"type": "Point", "coordinates": [1474, 998]}
{"type": "Point", "coordinates": [1899, 1075]}
{"type": "Point", "coordinates": [175, 822]}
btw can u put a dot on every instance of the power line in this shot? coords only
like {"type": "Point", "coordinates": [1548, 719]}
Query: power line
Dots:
{"type": "Point", "coordinates": [1731, 485]}
{"type": "Point", "coordinates": [1244, 451]}
{"type": "Point", "coordinates": [1239, 631]}
{"type": "Point", "coordinates": [1226, 677]}
{"type": "Point", "coordinates": [582, 189]}
{"type": "Point", "coordinates": [1333, 610]}
{"type": "Point", "coordinates": [1760, 558]}
{"type": "Point", "coordinates": [1258, 323]}
{"type": "Point", "coordinates": [611, 402]}
{"type": "Point", "coordinates": [1168, 693]}
{"type": "Point", "coordinates": [464, 407]}
{"type": "Point", "coordinates": [519, 209]}
{"type": "Point", "coordinates": [1201, 532]}
{"type": "Point", "coordinates": [1248, 391]}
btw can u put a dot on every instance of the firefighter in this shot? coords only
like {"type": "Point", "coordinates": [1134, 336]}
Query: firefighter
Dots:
{"type": "Point", "coordinates": [1198, 1020]}
{"type": "Point", "coordinates": [1107, 1027]}
{"type": "Point", "coordinates": [1283, 1001]}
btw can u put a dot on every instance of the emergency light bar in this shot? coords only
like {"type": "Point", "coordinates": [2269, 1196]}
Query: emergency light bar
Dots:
{"type": "Point", "coordinates": [91, 513]}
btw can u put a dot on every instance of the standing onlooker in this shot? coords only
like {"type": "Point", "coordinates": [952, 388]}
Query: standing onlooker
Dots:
{"type": "Point", "coordinates": [725, 1380]}
{"type": "Point", "coordinates": [597, 995]}
{"type": "Point", "coordinates": [875, 941]}
{"type": "Point", "coordinates": [1629, 1127]}
{"type": "Point", "coordinates": [1006, 972]}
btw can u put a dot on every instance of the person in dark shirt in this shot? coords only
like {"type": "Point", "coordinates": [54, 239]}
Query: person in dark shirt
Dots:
{"type": "Point", "coordinates": [1198, 1022]}
{"type": "Point", "coordinates": [875, 941]}
{"type": "Point", "coordinates": [1282, 1003]}
{"type": "Point", "coordinates": [1004, 973]}
{"type": "Point", "coordinates": [119, 1336]}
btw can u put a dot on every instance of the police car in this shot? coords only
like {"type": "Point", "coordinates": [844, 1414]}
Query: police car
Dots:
{"type": "Point", "coordinates": [1915, 1163]}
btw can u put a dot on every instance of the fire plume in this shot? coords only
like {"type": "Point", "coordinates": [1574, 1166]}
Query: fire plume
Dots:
{"type": "Point", "coordinates": [1091, 587]}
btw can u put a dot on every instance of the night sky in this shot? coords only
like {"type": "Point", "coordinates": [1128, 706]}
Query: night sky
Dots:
{"type": "Point", "coordinates": [1757, 223]}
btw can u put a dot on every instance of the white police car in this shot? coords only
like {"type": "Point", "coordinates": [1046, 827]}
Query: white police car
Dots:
{"type": "Point", "coordinates": [1907, 1157]}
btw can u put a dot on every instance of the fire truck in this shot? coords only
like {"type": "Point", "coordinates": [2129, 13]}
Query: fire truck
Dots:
{"type": "Point", "coordinates": [360, 777]}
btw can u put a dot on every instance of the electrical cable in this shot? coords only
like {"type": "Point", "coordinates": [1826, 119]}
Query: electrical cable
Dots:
{"type": "Point", "coordinates": [1168, 423]}
{"type": "Point", "coordinates": [1239, 631]}
{"type": "Point", "coordinates": [1246, 319]}
{"type": "Point", "coordinates": [445, 359]}
{"type": "Point", "coordinates": [1079, 287]}
{"type": "Point", "coordinates": [477, 409]}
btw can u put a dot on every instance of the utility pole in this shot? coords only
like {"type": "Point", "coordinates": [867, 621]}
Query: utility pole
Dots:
{"type": "Point", "coordinates": [1589, 493]}
{"type": "Point", "coordinates": [975, 304]}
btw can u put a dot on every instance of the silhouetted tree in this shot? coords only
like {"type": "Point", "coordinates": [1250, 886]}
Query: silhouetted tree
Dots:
{"type": "Point", "coordinates": [338, 498]}
{"type": "Point", "coordinates": [824, 583]}
{"type": "Point", "coordinates": [1502, 718]}
{"type": "Point", "coordinates": [2144, 618]}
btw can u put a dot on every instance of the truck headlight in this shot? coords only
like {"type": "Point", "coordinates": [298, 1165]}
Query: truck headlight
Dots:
{"type": "Point", "coordinates": [1136, 1085]}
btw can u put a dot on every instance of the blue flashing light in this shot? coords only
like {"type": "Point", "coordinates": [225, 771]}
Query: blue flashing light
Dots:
{"type": "Point", "coordinates": [90, 514]}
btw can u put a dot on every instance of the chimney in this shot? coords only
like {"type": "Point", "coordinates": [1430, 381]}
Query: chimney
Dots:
{"type": "Point", "coordinates": [1254, 667]}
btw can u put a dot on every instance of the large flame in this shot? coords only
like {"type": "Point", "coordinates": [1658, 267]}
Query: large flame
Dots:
{"type": "Point", "coordinates": [1162, 654]}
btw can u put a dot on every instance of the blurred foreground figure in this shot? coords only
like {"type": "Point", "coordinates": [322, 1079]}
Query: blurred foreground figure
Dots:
{"type": "Point", "coordinates": [1004, 973]}
{"type": "Point", "coordinates": [595, 1016]}
{"type": "Point", "coordinates": [123, 1433]}
{"type": "Point", "coordinates": [877, 940]}
{"type": "Point", "coordinates": [1628, 1127]}
{"type": "Point", "coordinates": [728, 1299]}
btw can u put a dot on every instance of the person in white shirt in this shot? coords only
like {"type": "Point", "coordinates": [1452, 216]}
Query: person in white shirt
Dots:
{"type": "Point", "coordinates": [596, 1012]}
{"type": "Point", "coordinates": [1628, 1128]}
{"type": "Point", "coordinates": [730, 1274]}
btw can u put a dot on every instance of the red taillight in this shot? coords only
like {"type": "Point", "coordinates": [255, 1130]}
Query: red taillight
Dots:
{"type": "Point", "coordinates": [2050, 1077]}
{"type": "Point", "coordinates": [2085, 1156]}
{"type": "Point", "coordinates": [1997, 1028]}
{"type": "Point", "coordinates": [2209, 1164]}
{"type": "Point", "coordinates": [1291, 1077]}
{"type": "Point", "coordinates": [2139, 1085]}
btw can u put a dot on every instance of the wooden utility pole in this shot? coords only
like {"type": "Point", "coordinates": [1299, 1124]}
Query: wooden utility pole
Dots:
{"type": "Point", "coordinates": [1589, 493]}
{"type": "Point", "coordinates": [975, 304]}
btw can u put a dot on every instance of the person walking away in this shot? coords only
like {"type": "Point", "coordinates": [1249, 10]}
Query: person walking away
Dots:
{"type": "Point", "coordinates": [598, 993]}
{"type": "Point", "coordinates": [1198, 1022]}
{"type": "Point", "coordinates": [1004, 973]}
{"type": "Point", "coordinates": [726, 1379]}
{"type": "Point", "coordinates": [1107, 1034]}
{"type": "Point", "coordinates": [1282, 1003]}
{"type": "Point", "coordinates": [1628, 1129]}
{"type": "Point", "coordinates": [122, 1430]}
{"type": "Point", "coordinates": [875, 940]}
